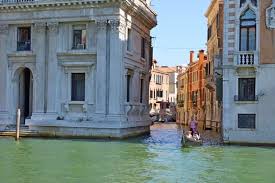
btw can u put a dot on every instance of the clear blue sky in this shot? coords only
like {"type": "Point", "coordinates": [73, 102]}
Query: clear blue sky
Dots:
{"type": "Point", "coordinates": [181, 27]}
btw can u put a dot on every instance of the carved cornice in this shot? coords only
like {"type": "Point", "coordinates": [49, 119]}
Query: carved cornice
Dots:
{"type": "Point", "coordinates": [53, 27]}
{"type": "Point", "coordinates": [30, 5]}
{"type": "Point", "coordinates": [4, 28]}
{"type": "Point", "coordinates": [142, 12]}
{"type": "Point", "coordinates": [39, 27]}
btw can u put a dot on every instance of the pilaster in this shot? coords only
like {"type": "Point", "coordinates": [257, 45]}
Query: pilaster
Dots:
{"type": "Point", "coordinates": [3, 69]}
{"type": "Point", "coordinates": [39, 47]}
{"type": "Point", "coordinates": [116, 71]}
{"type": "Point", "coordinates": [52, 69]}
{"type": "Point", "coordinates": [101, 67]}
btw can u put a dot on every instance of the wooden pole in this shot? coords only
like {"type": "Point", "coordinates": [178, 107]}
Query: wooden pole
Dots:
{"type": "Point", "coordinates": [18, 124]}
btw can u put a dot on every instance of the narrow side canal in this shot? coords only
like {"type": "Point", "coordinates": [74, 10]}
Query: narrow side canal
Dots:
{"type": "Point", "coordinates": [157, 158]}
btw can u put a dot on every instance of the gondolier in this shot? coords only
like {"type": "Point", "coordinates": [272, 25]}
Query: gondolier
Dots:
{"type": "Point", "coordinates": [193, 126]}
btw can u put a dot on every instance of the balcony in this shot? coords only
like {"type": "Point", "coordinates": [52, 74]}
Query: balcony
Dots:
{"type": "Point", "coordinates": [210, 82]}
{"type": "Point", "coordinates": [252, 98]}
{"type": "Point", "coordinates": [247, 58]}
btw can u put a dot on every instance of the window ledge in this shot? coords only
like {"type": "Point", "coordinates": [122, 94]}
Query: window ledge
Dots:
{"type": "Point", "coordinates": [78, 52]}
{"type": "Point", "coordinates": [247, 129]}
{"type": "Point", "coordinates": [129, 53]}
{"type": "Point", "coordinates": [246, 102]}
{"type": "Point", "coordinates": [22, 53]}
{"type": "Point", "coordinates": [77, 102]}
{"type": "Point", "coordinates": [142, 59]}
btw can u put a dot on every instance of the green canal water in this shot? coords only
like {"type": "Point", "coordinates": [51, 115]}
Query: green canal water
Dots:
{"type": "Point", "coordinates": [157, 158]}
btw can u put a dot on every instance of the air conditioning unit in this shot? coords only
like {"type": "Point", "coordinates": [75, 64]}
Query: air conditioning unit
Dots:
{"type": "Point", "coordinates": [80, 46]}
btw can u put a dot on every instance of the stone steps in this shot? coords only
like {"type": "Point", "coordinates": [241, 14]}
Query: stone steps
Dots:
{"type": "Point", "coordinates": [10, 130]}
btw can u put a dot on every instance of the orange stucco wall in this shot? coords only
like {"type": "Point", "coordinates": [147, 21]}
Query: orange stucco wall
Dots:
{"type": "Point", "coordinates": [198, 85]}
{"type": "Point", "coordinates": [267, 37]}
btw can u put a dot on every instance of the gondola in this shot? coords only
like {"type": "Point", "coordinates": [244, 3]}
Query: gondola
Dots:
{"type": "Point", "coordinates": [189, 140]}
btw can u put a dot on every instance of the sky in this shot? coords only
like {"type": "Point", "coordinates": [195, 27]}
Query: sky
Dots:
{"type": "Point", "coordinates": [181, 27]}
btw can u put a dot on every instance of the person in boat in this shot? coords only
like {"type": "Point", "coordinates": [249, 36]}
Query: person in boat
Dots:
{"type": "Point", "coordinates": [193, 126]}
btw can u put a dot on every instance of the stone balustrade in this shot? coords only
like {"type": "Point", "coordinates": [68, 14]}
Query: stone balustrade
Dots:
{"type": "Point", "coordinates": [246, 58]}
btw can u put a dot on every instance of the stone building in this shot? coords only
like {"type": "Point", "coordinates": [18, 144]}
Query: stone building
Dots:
{"type": "Point", "coordinates": [248, 71]}
{"type": "Point", "coordinates": [159, 88]}
{"type": "Point", "coordinates": [76, 68]}
{"type": "Point", "coordinates": [213, 71]}
{"type": "Point", "coordinates": [173, 73]}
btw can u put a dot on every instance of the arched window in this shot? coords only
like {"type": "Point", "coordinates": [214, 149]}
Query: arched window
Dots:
{"type": "Point", "coordinates": [242, 2]}
{"type": "Point", "coordinates": [248, 31]}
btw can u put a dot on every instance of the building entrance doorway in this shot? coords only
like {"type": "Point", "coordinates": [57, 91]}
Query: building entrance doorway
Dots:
{"type": "Point", "coordinates": [25, 98]}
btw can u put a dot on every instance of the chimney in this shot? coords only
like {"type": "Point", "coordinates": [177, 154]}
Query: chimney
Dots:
{"type": "Point", "coordinates": [191, 56]}
{"type": "Point", "coordinates": [201, 55]}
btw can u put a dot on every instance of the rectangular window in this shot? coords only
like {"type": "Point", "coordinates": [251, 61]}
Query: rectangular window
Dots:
{"type": "Point", "coordinates": [151, 94]}
{"type": "Point", "coordinates": [128, 87]}
{"type": "Point", "coordinates": [143, 47]}
{"type": "Point", "coordinates": [141, 91]}
{"type": "Point", "coordinates": [79, 37]}
{"type": "Point", "coordinates": [161, 93]}
{"type": "Point", "coordinates": [24, 39]}
{"type": "Point", "coordinates": [209, 32]}
{"type": "Point", "coordinates": [247, 121]}
{"type": "Point", "coordinates": [247, 89]}
{"type": "Point", "coordinates": [129, 40]}
{"type": "Point", "coordinates": [217, 21]}
{"type": "Point", "coordinates": [194, 97]}
{"type": "Point", "coordinates": [78, 87]}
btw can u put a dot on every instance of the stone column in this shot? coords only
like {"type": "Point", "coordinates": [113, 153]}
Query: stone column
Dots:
{"type": "Point", "coordinates": [52, 70]}
{"type": "Point", "coordinates": [116, 71]}
{"type": "Point", "coordinates": [101, 67]}
{"type": "Point", "coordinates": [3, 70]}
{"type": "Point", "coordinates": [38, 46]}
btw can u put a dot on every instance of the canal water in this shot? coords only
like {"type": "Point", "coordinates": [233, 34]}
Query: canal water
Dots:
{"type": "Point", "coordinates": [157, 158]}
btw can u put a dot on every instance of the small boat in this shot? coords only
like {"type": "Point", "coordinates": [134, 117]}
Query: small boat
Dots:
{"type": "Point", "coordinates": [189, 140]}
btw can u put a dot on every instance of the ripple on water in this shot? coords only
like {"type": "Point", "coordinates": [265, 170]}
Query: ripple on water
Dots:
{"type": "Point", "coordinates": [155, 158]}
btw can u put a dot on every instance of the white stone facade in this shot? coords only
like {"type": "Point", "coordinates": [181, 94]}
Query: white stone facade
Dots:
{"type": "Point", "coordinates": [235, 67]}
{"type": "Point", "coordinates": [106, 61]}
{"type": "Point", "coordinates": [159, 88]}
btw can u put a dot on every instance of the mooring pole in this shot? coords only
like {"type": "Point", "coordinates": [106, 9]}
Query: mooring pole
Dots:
{"type": "Point", "coordinates": [18, 124]}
